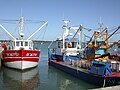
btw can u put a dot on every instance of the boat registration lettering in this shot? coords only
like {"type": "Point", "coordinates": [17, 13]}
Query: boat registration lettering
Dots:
{"type": "Point", "coordinates": [12, 54]}
{"type": "Point", "coordinates": [31, 54]}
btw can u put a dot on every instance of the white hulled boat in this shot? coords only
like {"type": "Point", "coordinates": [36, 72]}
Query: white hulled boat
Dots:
{"type": "Point", "coordinates": [21, 55]}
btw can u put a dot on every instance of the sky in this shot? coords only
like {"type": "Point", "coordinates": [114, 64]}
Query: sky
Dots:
{"type": "Point", "coordinates": [85, 12]}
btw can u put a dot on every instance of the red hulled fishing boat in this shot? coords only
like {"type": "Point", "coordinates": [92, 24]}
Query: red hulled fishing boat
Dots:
{"type": "Point", "coordinates": [21, 54]}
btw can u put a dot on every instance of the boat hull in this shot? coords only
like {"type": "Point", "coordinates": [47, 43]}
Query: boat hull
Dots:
{"type": "Point", "coordinates": [21, 59]}
{"type": "Point", "coordinates": [101, 81]}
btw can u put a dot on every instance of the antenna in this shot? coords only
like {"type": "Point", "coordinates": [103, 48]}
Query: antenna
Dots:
{"type": "Point", "coordinates": [66, 22]}
{"type": "Point", "coordinates": [100, 24]}
{"type": "Point", "coordinates": [63, 16]}
{"type": "Point", "coordinates": [21, 12]}
{"type": "Point", "coordinates": [100, 20]}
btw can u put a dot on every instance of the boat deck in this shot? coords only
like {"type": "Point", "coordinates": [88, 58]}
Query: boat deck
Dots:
{"type": "Point", "coordinates": [68, 64]}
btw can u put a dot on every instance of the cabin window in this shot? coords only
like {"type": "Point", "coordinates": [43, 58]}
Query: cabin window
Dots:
{"type": "Point", "coordinates": [26, 43]}
{"type": "Point", "coordinates": [17, 43]}
{"type": "Point", "coordinates": [118, 46]}
{"type": "Point", "coordinates": [71, 44]}
{"type": "Point", "coordinates": [74, 44]}
{"type": "Point", "coordinates": [66, 44]}
{"type": "Point", "coordinates": [99, 43]}
{"type": "Point", "coordinates": [59, 44]}
{"type": "Point", "coordinates": [21, 43]}
{"type": "Point", "coordinates": [30, 44]}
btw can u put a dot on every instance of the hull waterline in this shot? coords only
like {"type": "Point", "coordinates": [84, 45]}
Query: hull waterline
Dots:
{"type": "Point", "coordinates": [21, 59]}
{"type": "Point", "coordinates": [111, 80]}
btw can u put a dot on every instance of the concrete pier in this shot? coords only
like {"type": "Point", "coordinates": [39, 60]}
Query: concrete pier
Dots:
{"type": "Point", "coordinates": [109, 88]}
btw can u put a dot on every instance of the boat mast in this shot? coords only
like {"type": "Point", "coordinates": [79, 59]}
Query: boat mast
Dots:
{"type": "Point", "coordinates": [66, 30]}
{"type": "Point", "coordinates": [80, 37]}
{"type": "Point", "coordinates": [79, 32]}
{"type": "Point", "coordinates": [21, 28]}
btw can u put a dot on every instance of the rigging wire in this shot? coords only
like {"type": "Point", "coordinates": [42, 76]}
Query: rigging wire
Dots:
{"type": "Point", "coordinates": [15, 30]}
{"type": "Point", "coordinates": [55, 38]}
{"type": "Point", "coordinates": [43, 31]}
{"type": "Point", "coordinates": [111, 30]}
{"type": "Point", "coordinates": [17, 22]}
{"type": "Point", "coordinates": [91, 29]}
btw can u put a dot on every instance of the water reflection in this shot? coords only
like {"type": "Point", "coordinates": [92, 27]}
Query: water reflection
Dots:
{"type": "Point", "coordinates": [63, 81]}
{"type": "Point", "coordinates": [43, 77]}
{"type": "Point", "coordinates": [21, 80]}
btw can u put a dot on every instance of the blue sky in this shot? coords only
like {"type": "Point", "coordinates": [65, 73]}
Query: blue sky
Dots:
{"type": "Point", "coordinates": [85, 12]}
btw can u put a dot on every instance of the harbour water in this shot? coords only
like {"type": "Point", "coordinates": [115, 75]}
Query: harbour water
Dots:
{"type": "Point", "coordinates": [43, 77]}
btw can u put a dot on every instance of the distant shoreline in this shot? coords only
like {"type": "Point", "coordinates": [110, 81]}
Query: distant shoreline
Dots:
{"type": "Point", "coordinates": [33, 40]}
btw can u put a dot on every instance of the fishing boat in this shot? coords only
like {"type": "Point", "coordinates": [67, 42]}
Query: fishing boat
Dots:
{"type": "Point", "coordinates": [115, 51]}
{"type": "Point", "coordinates": [21, 54]}
{"type": "Point", "coordinates": [90, 63]}
{"type": "Point", "coordinates": [67, 48]}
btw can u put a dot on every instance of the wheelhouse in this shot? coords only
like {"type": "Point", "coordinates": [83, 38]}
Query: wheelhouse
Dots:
{"type": "Point", "coordinates": [69, 47]}
{"type": "Point", "coordinates": [26, 44]}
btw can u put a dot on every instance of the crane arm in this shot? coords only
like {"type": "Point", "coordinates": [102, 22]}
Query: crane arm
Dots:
{"type": "Point", "coordinates": [115, 43]}
{"type": "Point", "coordinates": [38, 30]}
{"type": "Point", "coordinates": [108, 37]}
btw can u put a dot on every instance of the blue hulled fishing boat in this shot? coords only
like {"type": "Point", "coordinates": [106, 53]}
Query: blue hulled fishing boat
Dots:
{"type": "Point", "coordinates": [89, 61]}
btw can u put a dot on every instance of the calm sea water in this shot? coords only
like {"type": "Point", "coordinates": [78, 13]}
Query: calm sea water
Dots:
{"type": "Point", "coordinates": [43, 77]}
